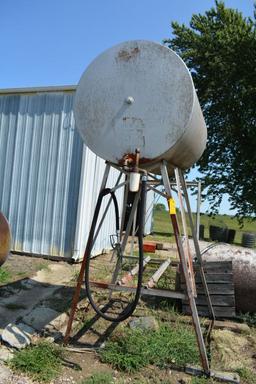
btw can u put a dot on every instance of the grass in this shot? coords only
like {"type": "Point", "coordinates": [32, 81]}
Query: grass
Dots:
{"type": "Point", "coordinates": [43, 266]}
{"type": "Point", "coordinates": [5, 275]}
{"type": "Point", "coordinates": [167, 280]}
{"type": "Point", "coordinates": [41, 362]}
{"type": "Point", "coordinates": [162, 227]}
{"type": "Point", "coordinates": [134, 349]}
{"type": "Point", "coordinates": [248, 318]}
{"type": "Point", "coordinates": [99, 378]}
{"type": "Point", "coordinates": [202, 380]}
{"type": "Point", "coordinates": [247, 375]}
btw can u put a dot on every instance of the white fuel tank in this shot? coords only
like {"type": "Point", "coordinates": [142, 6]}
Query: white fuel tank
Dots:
{"type": "Point", "coordinates": [140, 94]}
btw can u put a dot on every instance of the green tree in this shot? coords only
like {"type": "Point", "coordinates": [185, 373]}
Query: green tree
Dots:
{"type": "Point", "coordinates": [219, 48]}
{"type": "Point", "coordinates": [159, 207]}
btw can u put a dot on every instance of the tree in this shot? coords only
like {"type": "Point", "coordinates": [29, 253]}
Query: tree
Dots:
{"type": "Point", "coordinates": [159, 207]}
{"type": "Point", "coordinates": [219, 48]}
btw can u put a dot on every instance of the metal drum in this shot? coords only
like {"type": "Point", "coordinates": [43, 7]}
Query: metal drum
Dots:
{"type": "Point", "coordinates": [244, 272]}
{"type": "Point", "coordinates": [5, 239]}
{"type": "Point", "coordinates": [140, 94]}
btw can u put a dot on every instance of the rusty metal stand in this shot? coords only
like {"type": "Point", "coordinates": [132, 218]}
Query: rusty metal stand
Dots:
{"type": "Point", "coordinates": [186, 268]}
{"type": "Point", "coordinates": [80, 278]}
{"type": "Point", "coordinates": [185, 257]}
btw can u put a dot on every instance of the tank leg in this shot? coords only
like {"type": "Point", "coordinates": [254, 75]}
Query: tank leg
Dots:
{"type": "Point", "coordinates": [187, 276]}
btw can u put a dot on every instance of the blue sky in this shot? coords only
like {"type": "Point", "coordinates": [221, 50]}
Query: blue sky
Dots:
{"type": "Point", "coordinates": [51, 42]}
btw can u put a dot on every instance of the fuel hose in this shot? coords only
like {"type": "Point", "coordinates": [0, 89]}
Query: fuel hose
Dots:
{"type": "Point", "coordinates": [141, 209]}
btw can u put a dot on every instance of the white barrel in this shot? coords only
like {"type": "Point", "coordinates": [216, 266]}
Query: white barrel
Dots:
{"type": "Point", "coordinates": [140, 94]}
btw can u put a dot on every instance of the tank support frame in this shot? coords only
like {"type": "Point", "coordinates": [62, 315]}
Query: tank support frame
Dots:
{"type": "Point", "coordinates": [184, 252]}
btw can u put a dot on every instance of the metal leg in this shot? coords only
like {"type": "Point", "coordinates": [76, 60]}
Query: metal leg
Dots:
{"type": "Point", "coordinates": [185, 232]}
{"type": "Point", "coordinates": [124, 241]}
{"type": "Point", "coordinates": [106, 209]}
{"type": "Point", "coordinates": [192, 303]}
{"type": "Point", "coordinates": [126, 191]}
{"type": "Point", "coordinates": [81, 273]}
{"type": "Point", "coordinates": [198, 205]}
{"type": "Point", "coordinates": [197, 249]}
{"type": "Point", "coordinates": [105, 176]}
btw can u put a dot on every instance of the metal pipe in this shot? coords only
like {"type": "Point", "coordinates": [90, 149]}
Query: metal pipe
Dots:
{"type": "Point", "coordinates": [197, 249]}
{"type": "Point", "coordinates": [129, 276]}
{"type": "Point", "coordinates": [144, 291]}
{"type": "Point", "coordinates": [81, 274]}
{"type": "Point", "coordinates": [198, 205]}
{"type": "Point", "coordinates": [156, 276]}
{"type": "Point", "coordinates": [191, 299]}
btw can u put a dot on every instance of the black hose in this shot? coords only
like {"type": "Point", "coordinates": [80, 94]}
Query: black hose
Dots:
{"type": "Point", "coordinates": [132, 306]}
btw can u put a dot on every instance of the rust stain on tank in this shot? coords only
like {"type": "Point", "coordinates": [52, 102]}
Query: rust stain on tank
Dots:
{"type": "Point", "coordinates": [130, 158]}
{"type": "Point", "coordinates": [126, 55]}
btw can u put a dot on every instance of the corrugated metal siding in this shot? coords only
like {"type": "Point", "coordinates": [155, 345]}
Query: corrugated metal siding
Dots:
{"type": "Point", "coordinates": [49, 179]}
{"type": "Point", "coordinates": [40, 167]}
{"type": "Point", "coordinates": [92, 174]}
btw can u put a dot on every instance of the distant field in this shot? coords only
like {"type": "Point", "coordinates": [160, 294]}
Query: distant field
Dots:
{"type": "Point", "coordinates": [162, 227]}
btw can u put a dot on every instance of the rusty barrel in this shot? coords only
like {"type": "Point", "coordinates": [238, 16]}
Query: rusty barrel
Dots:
{"type": "Point", "coordinates": [244, 273]}
{"type": "Point", "coordinates": [5, 238]}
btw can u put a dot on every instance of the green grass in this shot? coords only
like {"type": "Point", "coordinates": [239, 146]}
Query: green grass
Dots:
{"type": "Point", "coordinates": [202, 380]}
{"type": "Point", "coordinates": [162, 227]}
{"type": "Point", "coordinates": [167, 280]}
{"type": "Point", "coordinates": [99, 378]}
{"type": "Point", "coordinates": [41, 362]}
{"type": "Point", "coordinates": [247, 375]}
{"type": "Point", "coordinates": [43, 266]}
{"type": "Point", "coordinates": [248, 318]}
{"type": "Point", "coordinates": [134, 349]}
{"type": "Point", "coordinates": [5, 275]}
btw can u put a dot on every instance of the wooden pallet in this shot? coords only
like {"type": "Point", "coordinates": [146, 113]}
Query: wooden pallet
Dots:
{"type": "Point", "coordinates": [219, 278]}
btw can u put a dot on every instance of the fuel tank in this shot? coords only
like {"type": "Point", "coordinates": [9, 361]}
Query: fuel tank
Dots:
{"type": "Point", "coordinates": [140, 94]}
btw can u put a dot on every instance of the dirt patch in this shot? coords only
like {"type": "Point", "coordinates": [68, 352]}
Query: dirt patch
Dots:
{"type": "Point", "coordinates": [20, 267]}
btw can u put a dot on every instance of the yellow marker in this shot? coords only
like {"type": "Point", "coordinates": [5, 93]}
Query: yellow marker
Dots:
{"type": "Point", "coordinates": [172, 206]}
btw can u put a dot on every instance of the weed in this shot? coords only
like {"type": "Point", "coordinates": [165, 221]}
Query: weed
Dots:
{"type": "Point", "coordinates": [167, 280]}
{"type": "Point", "coordinates": [41, 362]}
{"type": "Point", "coordinates": [4, 275]}
{"type": "Point", "coordinates": [99, 378]}
{"type": "Point", "coordinates": [248, 376]}
{"type": "Point", "coordinates": [202, 380]}
{"type": "Point", "coordinates": [136, 348]}
{"type": "Point", "coordinates": [248, 318]}
{"type": "Point", "coordinates": [21, 274]}
{"type": "Point", "coordinates": [43, 265]}
{"type": "Point", "coordinates": [75, 275]}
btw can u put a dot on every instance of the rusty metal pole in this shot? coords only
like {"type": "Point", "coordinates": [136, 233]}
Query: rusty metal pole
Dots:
{"type": "Point", "coordinates": [197, 248]}
{"type": "Point", "coordinates": [81, 274]}
{"type": "Point", "coordinates": [191, 298]}
{"type": "Point", "coordinates": [198, 205]}
{"type": "Point", "coordinates": [5, 238]}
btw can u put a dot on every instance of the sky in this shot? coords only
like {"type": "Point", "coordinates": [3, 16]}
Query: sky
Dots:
{"type": "Point", "coordinates": [51, 42]}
